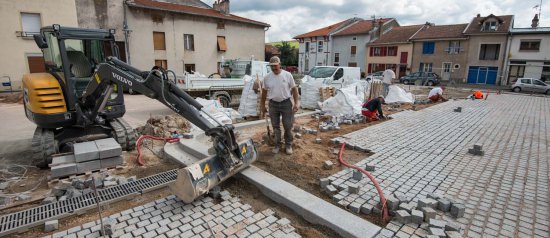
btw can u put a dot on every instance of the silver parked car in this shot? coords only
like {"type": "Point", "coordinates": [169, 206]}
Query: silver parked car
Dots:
{"type": "Point", "coordinates": [530, 85]}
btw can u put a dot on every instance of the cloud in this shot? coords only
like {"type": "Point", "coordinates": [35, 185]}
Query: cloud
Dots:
{"type": "Point", "coordinates": [289, 18]}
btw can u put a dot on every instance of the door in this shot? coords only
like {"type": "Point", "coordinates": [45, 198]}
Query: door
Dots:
{"type": "Point", "coordinates": [482, 75]}
{"type": "Point", "coordinates": [526, 85]}
{"type": "Point", "coordinates": [539, 86]}
{"type": "Point", "coordinates": [36, 64]}
{"type": "Point", "coordinates": [404, 57]}
{"type": "Point", "coordinates": [306, 65]}
{"type": "Point", "coordinates": [446, 71]}
{"type": "Point", "coordinates": [402, 70]}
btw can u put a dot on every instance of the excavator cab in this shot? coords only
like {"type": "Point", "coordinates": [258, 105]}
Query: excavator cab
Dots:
{"type": "Point", "coordinates": [52, 100]}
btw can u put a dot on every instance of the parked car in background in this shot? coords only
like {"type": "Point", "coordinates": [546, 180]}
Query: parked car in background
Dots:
{"type": "Point", "coordinates": [530, 85]}
{"type": "Point", "coordinates": [375, 75]}
{"type": "Point", "coordinates": [291, 69]}
{"type": "Point", "coordinates": [427, 78]}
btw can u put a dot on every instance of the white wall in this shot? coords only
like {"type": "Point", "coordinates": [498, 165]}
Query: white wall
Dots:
{"type": "Point", "coordinates": [542, 54]}
{"type": "Point", "coordinates": [13, 61]}
{"type": "Point", "coordinates": [243, 41]}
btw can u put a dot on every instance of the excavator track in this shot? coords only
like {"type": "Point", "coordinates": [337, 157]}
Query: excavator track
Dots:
{"type": "Point", "coordinates": [43, 147]}
{"type": "Point", "coordinates": [123, 133]}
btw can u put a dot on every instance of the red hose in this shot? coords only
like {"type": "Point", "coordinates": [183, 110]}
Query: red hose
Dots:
{"type": "Point", "coordinates": [142, 137]}
{"type": "Point", "coordinates": [376, 185]}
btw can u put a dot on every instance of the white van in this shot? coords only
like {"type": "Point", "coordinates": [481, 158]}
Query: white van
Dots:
{"type": "Point", "coordinates": [335, 75]}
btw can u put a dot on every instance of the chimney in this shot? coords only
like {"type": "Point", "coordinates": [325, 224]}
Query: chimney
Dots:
{"type": "Point", "coordinates": [535, 21]}
{"type": "Point", "coordinates": [380, 23]}
{"type": "Point", "coordinates": [221, 6]}
{"type": "Point", "coordinates": [478, 15]}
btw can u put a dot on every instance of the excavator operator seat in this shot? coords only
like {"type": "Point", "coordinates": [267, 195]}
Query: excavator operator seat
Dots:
{"type": "Point", "coordinates": [81, 69]}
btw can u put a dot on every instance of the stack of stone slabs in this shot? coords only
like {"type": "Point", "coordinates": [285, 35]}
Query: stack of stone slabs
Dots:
{"type": "Point", "coordinates": [88, 156]}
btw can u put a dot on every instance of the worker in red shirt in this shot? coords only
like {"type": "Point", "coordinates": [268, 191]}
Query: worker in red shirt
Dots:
{"type": "Point", "coordinates": [372, 109]}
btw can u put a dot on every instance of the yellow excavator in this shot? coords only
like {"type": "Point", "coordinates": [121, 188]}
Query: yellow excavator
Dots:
{"type": "Point", "coordinates": [81, 99]}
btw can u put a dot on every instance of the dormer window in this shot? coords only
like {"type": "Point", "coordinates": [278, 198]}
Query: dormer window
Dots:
{"type": "Point", "coordinates": [490, 26]}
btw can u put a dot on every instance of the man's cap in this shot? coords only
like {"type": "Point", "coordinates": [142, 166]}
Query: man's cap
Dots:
{"type": "Point", "coordinates": [274, 61]}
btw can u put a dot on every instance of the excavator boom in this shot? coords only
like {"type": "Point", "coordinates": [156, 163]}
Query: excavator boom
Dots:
{"type": "Point", "coordinates": [194, 180]}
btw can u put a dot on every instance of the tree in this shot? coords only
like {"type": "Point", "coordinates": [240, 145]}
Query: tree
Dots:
{"type": "Point", "coordinates": [289, 54]}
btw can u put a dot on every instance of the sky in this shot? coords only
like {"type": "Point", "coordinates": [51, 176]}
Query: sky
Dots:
{"type": "Point", "coordinates": [289, 18]}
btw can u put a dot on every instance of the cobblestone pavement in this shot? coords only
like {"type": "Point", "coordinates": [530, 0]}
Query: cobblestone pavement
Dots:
{"type": "Point", "coordinates": [170, 217]}
{"type": "Point", "coordinates": [417, 154]}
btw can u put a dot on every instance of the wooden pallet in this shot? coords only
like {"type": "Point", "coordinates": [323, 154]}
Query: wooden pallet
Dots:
{"type": "Point", "coordinates": [326, 92]}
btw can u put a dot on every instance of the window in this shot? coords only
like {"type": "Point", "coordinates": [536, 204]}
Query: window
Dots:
{"type": "Point", "coordinates": [353, 50]}
{"type": "Point", "coordinates": [221, 25]}
{"type": "Point", "coordinates": [158, 40]}
{"type": "Point", "coordinates": [161, 63]}
{"type": "Point", "coordinates": [320, 47]}
{"type": "Point", "coordinates": [392, 51]}
{"type": "Point", "coordinates": [354, 38]}
{"type": "Point", "coordinates": [428, 47]}
{"type": "Point", "coordinates": [425, 67]}
{"type": "Point", "coordinates": [377, 51]}
{"type": "Point", "coordinates": [189, 68]}
{"type": "Point", "coordinates": [222, 46]}
{"type": "Point", "coordinates": [454, 47]}
{"type": "Point", "coordinates": [189, 42]}
{"type": "Point", "coordinates": [526, 81]}
{"type": "Point", "coordinates": [352, 64]}
{"type": "Point", "coordinates": [490, 26]}
{"type": "Point", "coordinates": [538, 82]}
{"type": "Point", "coordinates": [157, 18]}
{"type": "Point", "coordinates": [529, 45]}
{"type": "Point", "coordinates": [336, 57]}
{"type": "Point", "coordinates": [339, 74]}
{"type": "Point", "coordinates": [31, 24]}
{"type": "Point", "coordinates": [307, 47]}
{"type": "Point", "coordinates": [489, 51]}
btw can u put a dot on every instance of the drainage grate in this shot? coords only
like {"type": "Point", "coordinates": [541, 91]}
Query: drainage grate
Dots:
{"type": "Point", "coordinates": [22, 220]}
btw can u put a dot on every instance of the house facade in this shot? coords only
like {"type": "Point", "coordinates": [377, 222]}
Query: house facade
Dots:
{"type": "Point", "coordinates": [181, 35]}
{"type": "Point", "coordinates": [20, 21]}
{"type": "Point", "coordinates": [487, 50]}
{"type": "Point", "coordinates": [442, 50]}
{"type": "Point", "coordinates": [529, 54]}
{"type": "Point", "coordinates": [391, 49]}
{"type": "Point", "coordinates": [315, 46]}
{"type": "Point", "coordinates": [349, 45]}
{"type": "Point", "coordinates": [341, 44]}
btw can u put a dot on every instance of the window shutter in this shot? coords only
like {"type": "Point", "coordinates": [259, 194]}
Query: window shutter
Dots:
{"type": "Point", "coordinates": [159, 42]}
{"type": "Point", "coordinates": [371, 52]}
{"type": "Point", "coordinates": [384, 51]}
{"type": "Point", "coordinates": [421, 67]}
{"type": "Point", "coordinates": [222, 46]}
{"type": "Point", "coordinates": [369, 70]}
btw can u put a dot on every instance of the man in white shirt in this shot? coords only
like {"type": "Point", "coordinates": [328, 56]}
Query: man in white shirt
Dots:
{"type": "Point", "coordinates": [436, 94]}
{"type": "Point", "coordinates": [278, 87]}
{"type": "Point", "coordinates": [387, 77]}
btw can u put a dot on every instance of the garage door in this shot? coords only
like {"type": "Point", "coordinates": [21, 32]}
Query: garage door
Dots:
{"type": "Point", "coordinates": [482, 75]}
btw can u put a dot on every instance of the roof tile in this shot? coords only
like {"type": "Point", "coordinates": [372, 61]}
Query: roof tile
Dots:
{"type": "Point", "coordinates": [400, 34]}
{"type": "Point", "coordinates": [186, 9]}
{"type": "Point", "coordinates": [440, 32]}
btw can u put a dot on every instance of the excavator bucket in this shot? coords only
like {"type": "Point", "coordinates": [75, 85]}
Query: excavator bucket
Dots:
{"type": "Point", "coordinates": [200, 177]}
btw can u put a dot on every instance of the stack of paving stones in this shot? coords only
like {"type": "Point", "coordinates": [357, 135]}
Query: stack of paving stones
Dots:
{"type": "Point", "coordinates": [88, 156]}
{"type": "Point", "coordinates": [504, 193]}
{"type": "Point", "coordinates": [170, 217]}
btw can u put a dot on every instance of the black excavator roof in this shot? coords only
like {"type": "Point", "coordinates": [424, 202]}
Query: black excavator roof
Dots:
{"type": "Point", "coordinates": [63, 32]}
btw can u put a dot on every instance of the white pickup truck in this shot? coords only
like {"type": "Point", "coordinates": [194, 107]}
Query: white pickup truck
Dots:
{"type": "Point", "coordinates": [228, 90]}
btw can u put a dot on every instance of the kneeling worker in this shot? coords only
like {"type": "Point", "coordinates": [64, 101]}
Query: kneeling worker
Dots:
{"type": "Point", "coordinates": [373, 109]}
{"type": "Point", "coordinates": [436, 94]}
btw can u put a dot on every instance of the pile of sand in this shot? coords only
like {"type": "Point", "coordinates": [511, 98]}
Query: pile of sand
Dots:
{"type": "Point", "coordinates": [12, 98]}
{"type": "Point", "coordinates": [164, 126]}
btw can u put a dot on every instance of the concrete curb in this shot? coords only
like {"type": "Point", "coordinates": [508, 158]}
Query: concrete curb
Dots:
{"type": "Point", "coordinates": [310, 207]}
